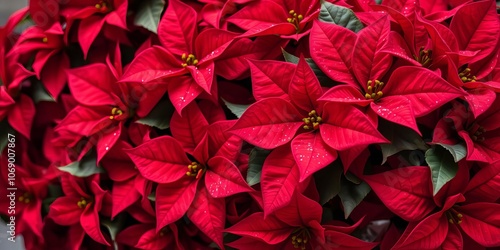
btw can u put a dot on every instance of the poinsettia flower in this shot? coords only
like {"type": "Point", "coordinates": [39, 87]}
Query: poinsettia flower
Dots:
{"type": "Point", "coordinates": [288, 19]}
{"type": "Point", "coordinates": [401, 99]}
{"type": "Point", "coordinates": [94, 16]}
{"type": "Point", "coordinates": [453, 216]}
{"type": "Point", "coordinates": [105, 105]}
{"type": "Point", "coordinates": [84, 200]}
{"type": "Point", "coordinates": [16, 107]}
{"type": "Point", "coordinates": [27, 193]}
{"type": "Point", "coordinates": [296, 226]}
{"type": "Point", "coordinates": [50, 60]}
{"type": "Point", "coordinates": [128, 185]}
{"type": "Point", "coordinates": [185, 54]}
{"type": "Point", "coordinates": [144, 234]}
{"type": "Point", "coordinates": [278, 116]}
{"type": "Point", "coordinates": [481, 134]}
{"type": "Point", "coordinates": [215, 12]}
{"type": "Point", "coordinates": [193, 181]}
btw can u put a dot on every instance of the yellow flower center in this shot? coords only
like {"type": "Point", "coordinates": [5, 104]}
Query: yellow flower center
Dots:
{"type": "Point", "coordinates": [300, 238]}
{"type": "Point", "coordinates": [83, 203]}
{"type": "Point", "coordinates": [466, 76]}
{"type": "Point", "coordinates": [195, 170]}
{"type": "Point", "coordinates": [454, 217]}
{"type": "Point", "coordinates": [45, 40]}
{"type": "Point", "coordinates": [188, 60]}
{"type": "Point", "coordinates": [312, 122]}
{"type": "Point", "coordinates": [374, 90]}
{"type": "Point", "coordinates": [115, 113]}
{"type": "Point", "coordinates": [103, 6]}
{"type": "Point", "coordinates": [424, 57]}
{"type": "Point", "coordinates": [26, 198]}
{"type": "Point", "coordinates": [295, 19]}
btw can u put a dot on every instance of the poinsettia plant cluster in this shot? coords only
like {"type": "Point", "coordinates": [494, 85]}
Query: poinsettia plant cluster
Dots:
{"type": "Point", "coordinates": [252, 124]}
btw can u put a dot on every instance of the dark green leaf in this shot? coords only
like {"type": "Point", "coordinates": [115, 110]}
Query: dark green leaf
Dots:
{"type": "Point", "coordinates": [152, 196]}
{"type": "Point", "coordinates": [352, 194]}
{"type": "Point", "coordinates": [402, 138]}
{"type": "Point", "coordinates": [443, 166]}
{"type": "Point", "coordinates": [328, 181]}
{"type": "Point", "coordinates": [255, 162]}
{"type": "Point", "coordinates": [113, 227]}
{"type": "Point", "coordinates": [331, 13]}
{"type": "Point", "coordinates": [4, 135]}
{"type": "Point", "coordinates": [160, 116]}
{"type": "Point", "coordinates": [458, 151]}
{"type": "Point", "coordinates": [40, 93]}
{"type": "Point", "coordinates": [149, 15]}
{"type": "Point", "coordinates": [236, 109]}
{"type": "Point", "coordinates": [84, 168]}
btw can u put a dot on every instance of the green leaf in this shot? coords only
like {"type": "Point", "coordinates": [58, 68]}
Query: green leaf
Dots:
{"type": "Point", "coordinates": [149, 15]}
{"type": "Point", "coordinates": [40, 93]}
{"type": "Point", "coordinates": [331, 13]}
{"type": "Point", "coordinates": [458, 151]}
{"type": "Point", "coordinates": [84, 168]}
{"type": "Point", "coordinates": [352, 194]}
{"type": "Point", "coordinates": [402, 138]}
{"type": "Point", "coordinates": [328, 181]}
{"type": "Point", "coordinates": [236, 109]}
{"type": "Point", "coordinates": [255, 162]}
{"type": "Point", "coordinates": [443, 166]}
{"type": "Point", "coordinates": [152, 196]}
{"type": "Point", "coordinates": [323, 79]}
{"type": "Point", "coordinates": [160, 116]}
{"type": "Point", "coordinates": [113, 227]}
{"type": "Point", "coordinates": [4, 135]}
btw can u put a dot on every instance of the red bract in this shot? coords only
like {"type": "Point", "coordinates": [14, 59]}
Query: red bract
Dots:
{"type": "Point", "coordinates": [190, 185]}
{"type": "Point", "coordinates": [50, 61]}
{"type": "Point", "coordinates": [94, 16]}
{"type": "Point", "coordinates": [289, 19]}
{"type": "Point", "coordinates": [185, 55]}
{"type": "Point", "coordinates": [295, 226]}
{"type": "Point", "coordinates": [272, 121]}
{"type": "Point", "coordinates": [84, 200]}
{"type": "Point", "coordinates": [481, 134]}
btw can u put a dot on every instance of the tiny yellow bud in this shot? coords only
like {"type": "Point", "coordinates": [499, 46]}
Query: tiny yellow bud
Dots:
{"type": "Point", "coordinates": [459, 222]}
{"type": "Point", "coordinates": [464, 78]}
{"type": "Point", "coordinates": [111, 117]}
{"type": "Point", "coordinates": [195, 62]}
{"type": "Point", "coordinates": [318, 119]}
{"type": "Point", "coordinates": [45, 39]}
{"type": "Point", "coordinates": [306, 127]}
{"type": "Point", "coordinates": [450, 221]}
{"type": "Point", "coordinates": [113, 111]}
{"type": "Point", "coordinates": [27, 200]}
{"type": "Point", "coordinates": [367, 96]}
{"type": "Point", "coordinates": [369, 88]}
{"type": "Point", "coordinates": [98, 6]}
{"type": "Point", "coordinates": [300, 17]}
{"type": "Point", "coordinates": [289, 20]}
{"type": "Point", "coordinates": [190, 167]}
{"type": "Point", "coordinates": [184, 65]}
{"type": "Point", "coordinates": [183, 56]}
{"type": "Point", "coordinates": [21, 198]}
{"type": "Point", "coordinates": [373, 95]}
{"type": "Point", "coordinates": [460, 215]}
{"type": "Point", "coordinates": [291, 12]}
{"type": "Point", "coordinates": [188, 173]}
{"type": "Point", "coordinates": [294, 237]}
{"type": "Point", "coordinates": [379, 94]}
{"type": "Point", "coordinates": [299, 240]}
